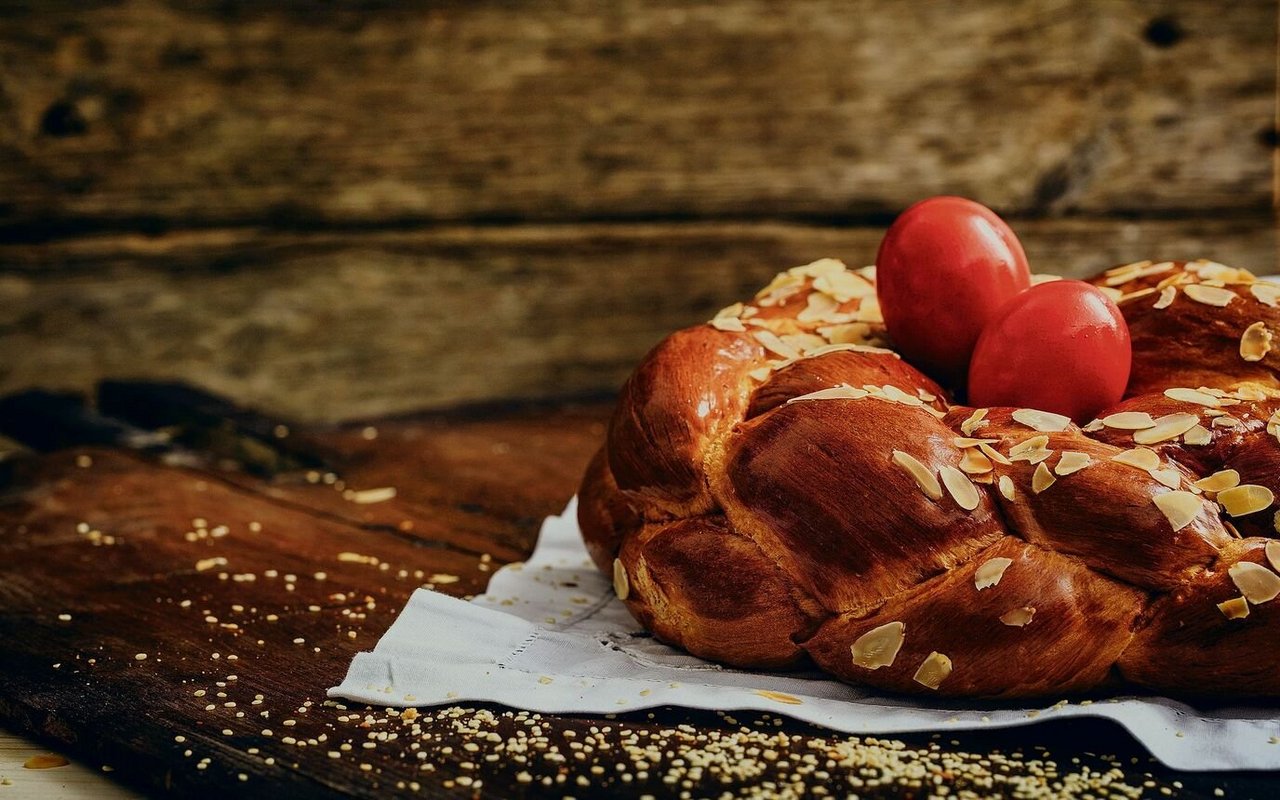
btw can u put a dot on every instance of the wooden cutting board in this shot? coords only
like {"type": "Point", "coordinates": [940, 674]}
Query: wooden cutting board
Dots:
{"type": "Point", "coordinates": [176, 612]}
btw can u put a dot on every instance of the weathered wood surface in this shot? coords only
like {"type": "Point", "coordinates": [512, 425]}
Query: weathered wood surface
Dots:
{"type": "Point", "coordinates": [337, 325]}
{"type": "Point", "coordinates": [100, 550]}
{"type": "Point", "coordinates": [165, 113]}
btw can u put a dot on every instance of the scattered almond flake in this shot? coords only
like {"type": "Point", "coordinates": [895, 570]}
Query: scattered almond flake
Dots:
{"type": "Point", "coordinates": [781, 697]}
{"type": "Point", "coordinates": [843, 392]}
{"type": "Point", "coordinates": [923, 477]}
{"type": "Point", "coordinates": [1042, 421]}
{"type": "Point", "coordinates": [1253, 391]}
{"type": "Point", "coordinates": [205, 564]}
{"type": "Point", "coordinates": [760, 374]}
{"type": "Point", "coordinates": [1255, 343]}
{"type": "Point", "coordinates": [366, 497]}
{"type": "Point", "coordinates": [1044, 277]}
{"type": "Point", "coordinates": [1214, 271]}
{"type": "Point", "coordinates": [896, 395]}
{"type": "Point", "coordinates": [1170, 426]}
{"type": "Point", "coordinates": [1224, 422]}
{"type": "Point", "coordinates": [847, 333]}
{"type": "Point", "coordinates": [1042, 478]}
{"type": "Point", "coordinates": [869, 310]}
{"type": "Point", "coordinates": [1165, 300]}
{"type": "Point", "coordinates": [879, 646]}
{"type": "Point", "coordinates": [1235, 608]}
{"type": "Point", "coordinates": [1257, 583]}
{"type": "Point", "coordinates": [1266, 293]}
{"type": "Point", "coordinates": [820, 268]}
{"type": "Point", "coordinates": [1185, 395]}
{"type": "Point", "coordinates": [1112, 294]}
{"type": "Point", "coordinates": [993, 454]}
{"type": "Point", "coordinates": [1179, 507]}
{"type": "Point", "coordinates": [1018, 617]}
{"type": "Point", "coordinates": [1093, 427]}
{"type": "Point", "coordinates": [818, 307]}
{"type": "Point", "coordinates": [728, 324]}
{"type": "Point", "coordinates": [1209, 295]}
{"type": "Point", "coordinates": [621, 583]}
{"type": "Point", "coordinates": [1131, 267]}
{"type": "Point", "coordinates": [1273, 554]}
{"type": "Point", "coordinates": [843, 286]}
{"type": "Point", "coordinates": [964, 441]}
{"type": "Point", "coordinates": [974, 462]}
{"type": "Point", "coordinates": [1072, 461]}
{"type": "Point", "coordinates": [442, 578]}
{"type": "Point", "coordinates": [933, 671]}
{"type": "Point", "coordinates": [975, 421]}
{"type": "Point", "coordinates": [1169, 476]}
{"type": "Point", "coordinates": [730, 312]}
{"type": "Point", "coordinates": [1219, 481]}
{"type": "Point", "coordinates": [803, 342]}
{"type": "Point", "coordinates": [1245, 499]}
{"type": "Point", "coordinates": [783, 285]}
{"type": "Point", "coordinates": [1138, 294]}
{"type": "Point", "coordinates": [990, 572]}
{"type": "Point", "coordinates": [1028, 445]}
{"type": "Point", "coordinates": [775, 345]}
{"type": "Point", "coordinates": [1007, 488]}
{"type": "Point", "coordinates": [1199, 435]}
{"type": "Point", "coordinates": [960, 487]}
{"type": "Point", "coordinates": [926, 395]}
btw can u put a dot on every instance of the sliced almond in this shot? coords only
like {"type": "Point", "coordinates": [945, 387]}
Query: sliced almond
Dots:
{"type": "Point", "coordinates": [1018, 617]}
{"type": "Point", "coordinates": [843, 286]}
{"type": "Point", "coordinates": [898, 396]}
{"type": "Point", "coordinates": [1166, 297]}
{"type": "Point", "coordinates": [1042, 478]}
{"type": "Point", "coordinates": [869, 310]}
{"type": "Point", "coordinates": [1094, 426]}
{"type": "Point", "coordinates": [879, 646]}
{"type": "Point", "coordinates": [1235, 608]}
{"type": "Point", "coordinates": [1224, 421]}
{"type": "Point", "coordinates": [771, 342]}
{"type": "Point", "coordinates": [1072, 461]}
{"type": "Point", "coordinates": [847, 333]}
{"type": "Point", "coordinates": [818, 308]}
{"type": "Point", "coordinates": [1141, 457]}
{"type": "Point", "coordinates": [1199, 435]}
{"type": "Point", "coordinates": [1255, 343]}
{"type": "Point", "coordinates": [923, 477]}
{"type": "Point", "coordinates": [926, 395]}
{"type": "Point", "coordinates": [621, 585]}
{"type": "Point", "coordinates": [974, 462]}
{"type": "Point", "coordinates": [1042, 421]}
{"type": "Point", "coordinates": [1029, 445]}
{"type": "Point", "coordinates": [960, 487]}
{"type": "Point", "coordinates": [1124, 269]}
{"type": "Point", "coordinates": [1167, 427]}
{"type": "Point", "coordinates": [1185, 395]}
{"type": "Point", "coordinates": [990, 572]}
{"type": "Point", "coordinates": [1209, 295]}
{"type": "Point", "coordinates": [1179, 507]}
{"type": "Point", "coordinates": [994, 454]}
{"type": "Point", "coordinates": [1273, 553]}
{"type": "Point", "coordinates": [805, 343]}
{"type": "Point", "coordinates": [1007, 488]}
{"type": "Point", "coordinates": [727, 324]}
{"type": "Point", "coordinates": [1169, 477]}
{"type": "Point", "coordinates": [1114, 295]}
{"type": "Point", "coordinates": [844, 392]}
{"type": "Point", "coordinates": [1245, 499]}
{"type": "Point", "coordinates": [1139, 294]}
{"type": "Point", "coordinates": [1257, 583]}
{"type": "Point", "coordinates": [1219, 481]}
{"type": "Point", "coordinates": [1129, 421]}
{"type": "Point", "coordinates": [975, 421]}
{"type": "Point", "coordinates": [965, 441]}
{"type": "Point", "coordinates": [1266, 293]}
{"type": "Point", "coordinates": [933, 671]}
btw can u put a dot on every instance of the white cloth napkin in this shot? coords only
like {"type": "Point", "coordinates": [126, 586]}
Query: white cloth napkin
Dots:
{"type": "Point", "coordinates": [550, 636]}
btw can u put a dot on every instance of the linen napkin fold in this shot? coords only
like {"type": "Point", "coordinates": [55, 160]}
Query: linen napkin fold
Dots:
{"type": "Point", "coordinates": [550, 636]}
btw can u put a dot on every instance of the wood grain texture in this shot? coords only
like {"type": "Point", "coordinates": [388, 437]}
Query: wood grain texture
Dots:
{"type": "Point", "coordinates": [330, 326]}
{"type": "Point", "coordinates": [164, 113]}
{"type": "Point", "coordinates": [75, 614]}
{"type": "Point", "coordinates": [75, 781]}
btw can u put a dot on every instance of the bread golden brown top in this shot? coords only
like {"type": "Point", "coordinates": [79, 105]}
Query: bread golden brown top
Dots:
{"type": "Point", "coordinates": [778, 487]}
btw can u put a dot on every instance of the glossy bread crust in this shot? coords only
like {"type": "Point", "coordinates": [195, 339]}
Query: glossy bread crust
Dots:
{"type": "Point", "coordinates": [778, 488]}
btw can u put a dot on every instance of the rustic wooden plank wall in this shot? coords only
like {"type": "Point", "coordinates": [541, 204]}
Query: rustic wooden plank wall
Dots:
{"type": "Point", "coordinates": [370, 209]}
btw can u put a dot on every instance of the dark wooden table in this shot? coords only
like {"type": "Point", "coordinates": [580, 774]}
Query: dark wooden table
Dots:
{"type": "Point", "coordinates": [175, 608]}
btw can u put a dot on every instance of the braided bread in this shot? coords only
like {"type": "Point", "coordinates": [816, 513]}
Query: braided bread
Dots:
{"type": "Point", "coordinates": [779, 488]}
